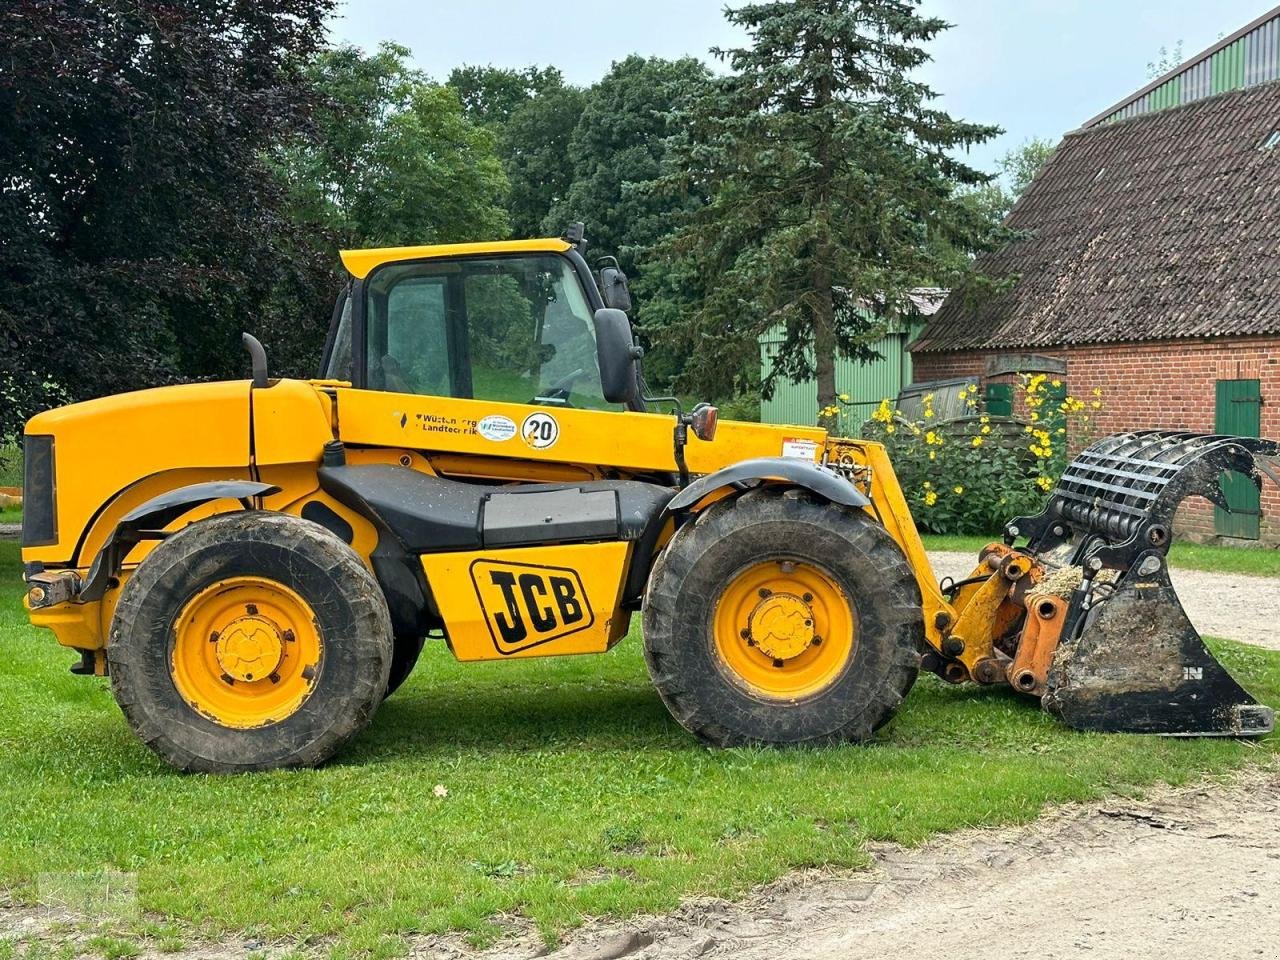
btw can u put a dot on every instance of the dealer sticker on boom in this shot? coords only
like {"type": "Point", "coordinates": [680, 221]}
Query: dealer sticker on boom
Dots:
{"type": "Point", "coordinates": [540, 430]}
{"type": "Point", "coordinates": [496, 427]}
{"type": "Point", "coordinates": [799, 448]}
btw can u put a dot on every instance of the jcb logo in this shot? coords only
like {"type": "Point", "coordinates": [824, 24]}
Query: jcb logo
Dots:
{"type": "Point", "coordinates": [525, 604]}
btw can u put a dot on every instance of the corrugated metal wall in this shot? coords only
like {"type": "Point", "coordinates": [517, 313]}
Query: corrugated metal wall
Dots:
{"type": "Point", "coordinates": [865, 383]}
{"type": "Point", "coordinates": [1251, 59]}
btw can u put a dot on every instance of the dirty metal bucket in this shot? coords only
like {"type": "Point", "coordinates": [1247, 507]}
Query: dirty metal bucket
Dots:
{"type": "Point", "coordinates": [1129, 660]}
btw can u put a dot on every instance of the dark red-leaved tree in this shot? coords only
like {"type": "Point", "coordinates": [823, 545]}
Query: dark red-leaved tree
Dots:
{"type": "Point", "coordinates": [140, 225]}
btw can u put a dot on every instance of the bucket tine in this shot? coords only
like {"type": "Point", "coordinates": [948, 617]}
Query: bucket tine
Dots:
{"type": "Point", "coordinates": [1128, 658]}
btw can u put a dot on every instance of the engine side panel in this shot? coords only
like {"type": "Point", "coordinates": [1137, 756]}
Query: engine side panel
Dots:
{"type": "Point", "coordinates": [103, 447]}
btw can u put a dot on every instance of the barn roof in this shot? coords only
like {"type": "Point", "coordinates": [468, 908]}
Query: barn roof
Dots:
{"type": "Point", "coordinates": [1159, 227]}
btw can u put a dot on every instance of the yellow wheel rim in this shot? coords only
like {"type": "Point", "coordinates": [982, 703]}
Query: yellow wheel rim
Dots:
{"type": "Point", "coordinates": [784, 629]}
{"type": "Point", "coordinates": [246, 652]}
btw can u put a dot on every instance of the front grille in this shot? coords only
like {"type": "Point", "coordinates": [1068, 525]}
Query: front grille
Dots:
{"type": "Point", "coordinates": [39, 492]}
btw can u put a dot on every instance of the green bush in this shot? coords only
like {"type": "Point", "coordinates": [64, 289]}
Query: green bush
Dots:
{"type": "Point", "coordinates": [10, 463]}
{"type": "Point", "coordinates": [972, 474]}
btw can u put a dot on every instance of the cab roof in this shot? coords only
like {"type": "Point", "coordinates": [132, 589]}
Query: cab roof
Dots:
{"type": "Point", "coordinates": [359, 263]}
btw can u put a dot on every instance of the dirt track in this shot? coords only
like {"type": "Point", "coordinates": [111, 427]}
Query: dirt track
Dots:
{"type": "Point", "coordinates": [1219, 604]}
{"type": "Point", "coordinates": [1190, 874]}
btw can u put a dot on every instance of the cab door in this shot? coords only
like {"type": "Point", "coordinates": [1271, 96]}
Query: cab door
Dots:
{"type": "Point", "coordinates": [487, 354]}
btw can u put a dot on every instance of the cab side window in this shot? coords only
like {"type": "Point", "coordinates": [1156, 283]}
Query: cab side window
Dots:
{"type": "Point", "coordinates": [413, 361]}
{"type": "Point", "coordinates": [513, 329]}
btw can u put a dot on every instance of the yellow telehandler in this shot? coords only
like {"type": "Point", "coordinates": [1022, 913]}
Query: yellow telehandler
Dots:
{"type": "Point", "coordinates": [256, 564]}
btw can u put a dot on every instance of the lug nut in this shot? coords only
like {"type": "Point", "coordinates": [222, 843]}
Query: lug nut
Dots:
{"type": "Point", "coordinates": [807, 598]}
{"type": "Point", "coordinates": [779, 664]}
{"type": "Point", "coordinates": [817, 641]}
{"type": "Point", "coordinates": [744, 633]}
{"type": "Point", "coordinates": [213, 637]}
{"type": "Point", "coordinates": [765, 591]}
{"type": "Point", "coordinates": [251, 609]}
{"type": "Point", "coordinates": [287, 636]}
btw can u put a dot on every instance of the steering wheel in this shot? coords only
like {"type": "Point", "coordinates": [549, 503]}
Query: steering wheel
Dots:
{"type": "Point", "coordinates": [562, 388]}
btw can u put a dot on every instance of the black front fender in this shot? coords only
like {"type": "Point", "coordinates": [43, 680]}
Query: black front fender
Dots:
{"type": "Point", "coordinates": [823, 481]}
{"type": "Point", "coordinates": [156, 514]}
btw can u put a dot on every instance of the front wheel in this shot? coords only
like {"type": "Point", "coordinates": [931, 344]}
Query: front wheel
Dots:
{"type": "Point", "coordinates": [777, 619]}
{"type": "Point", "coordinates": [404, 657]}
{"type": "Point", "coordinates": [249, 641]}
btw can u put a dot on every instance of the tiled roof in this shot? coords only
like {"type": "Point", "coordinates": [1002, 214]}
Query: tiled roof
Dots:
{"type": "Point", "coordinates": [1159, 227]}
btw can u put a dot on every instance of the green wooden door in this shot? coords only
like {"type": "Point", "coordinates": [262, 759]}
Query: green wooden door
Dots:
{"type": "Point", "coordinates": [1052, 412]}
{"type": "Point", "coordinates": [1238, 412]}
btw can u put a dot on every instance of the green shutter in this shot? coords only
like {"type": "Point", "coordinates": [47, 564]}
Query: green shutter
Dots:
{"type": "Point", "coordinates": [1000, 399]}
{"type": "Point", "coordinates": [1238, 413]}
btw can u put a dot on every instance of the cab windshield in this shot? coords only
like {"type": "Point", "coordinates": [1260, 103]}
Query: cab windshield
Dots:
{"type": "Point", "coordinates": [515, 329]}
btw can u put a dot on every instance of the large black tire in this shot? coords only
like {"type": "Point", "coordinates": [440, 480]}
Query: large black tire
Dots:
{"type": "Point", "coordinates": [692, 676]}
{"type": "Point", "coordinates": [350, 617]}
{"type": "Point", "coordinates": [404, 657]}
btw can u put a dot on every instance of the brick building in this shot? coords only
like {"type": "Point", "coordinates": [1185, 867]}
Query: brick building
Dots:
{"type": "Point", "coordinates": [1150, 269]}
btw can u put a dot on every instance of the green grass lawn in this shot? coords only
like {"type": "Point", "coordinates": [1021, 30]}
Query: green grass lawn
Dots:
{"type": "Point", "coordinates": [10, 514]}
{"type": "Point", "coordinates": [570, 794]}
{"type": "Point", "coordinates": [1255, 561]}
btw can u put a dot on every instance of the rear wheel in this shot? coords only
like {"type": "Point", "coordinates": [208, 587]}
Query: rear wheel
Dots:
{"type": "Point", "coordinates": [773, 618]}
{"type": "Point", "coordinates": [249, 641]}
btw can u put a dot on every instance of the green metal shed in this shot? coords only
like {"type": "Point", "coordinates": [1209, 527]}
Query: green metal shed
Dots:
{"type": "Point", "coordinates": [865, 383]}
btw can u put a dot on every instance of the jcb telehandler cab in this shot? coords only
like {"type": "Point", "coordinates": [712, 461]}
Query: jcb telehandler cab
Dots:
{"type": "Point", "coordinates": [256, 564]}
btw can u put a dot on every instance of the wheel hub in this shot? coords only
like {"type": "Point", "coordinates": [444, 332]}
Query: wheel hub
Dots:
{"type": "Point", "coordinates": [250, 648]}
{"type": "Point", "coordinates": [781, 626]}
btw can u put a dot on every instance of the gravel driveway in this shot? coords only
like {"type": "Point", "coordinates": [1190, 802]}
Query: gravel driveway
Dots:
{"type": "Point", "coordinates": [1190, 873]}
{"type": "Point", "coordinates": [1227, 605]}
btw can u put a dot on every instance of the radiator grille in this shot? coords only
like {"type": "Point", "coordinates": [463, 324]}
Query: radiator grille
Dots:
{"type": "Point", "coordinates": [39, 493]}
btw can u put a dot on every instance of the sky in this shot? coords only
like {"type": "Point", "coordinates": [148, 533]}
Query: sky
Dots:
{"type": "Point", "coordinates": [1037, 68]}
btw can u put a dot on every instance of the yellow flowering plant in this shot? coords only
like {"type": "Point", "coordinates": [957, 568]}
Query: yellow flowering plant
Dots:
{"type": "Point", "coordinates": [971, 474]}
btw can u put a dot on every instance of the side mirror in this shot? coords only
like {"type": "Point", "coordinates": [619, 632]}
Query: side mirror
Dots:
{"type": "Point", "coordinates": [616, 353]}
{"type": "Point", "coordinates": [614, 290]}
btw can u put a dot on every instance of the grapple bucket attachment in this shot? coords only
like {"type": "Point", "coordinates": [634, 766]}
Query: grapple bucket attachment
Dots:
{"type": "Point", "coordinates": [1129, 660]}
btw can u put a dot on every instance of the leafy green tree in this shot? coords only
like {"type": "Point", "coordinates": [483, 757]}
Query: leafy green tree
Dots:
{"type": "Point", "coordinates": [490, 95]}
{"type": "Point", "coordinates": [1018, 167]}
{"type": "Point", "coordinates": [831, 175]}
{"type": "Point", "coordinates": [532, 114]}
{"type": "Point", "coordinates": [142, 227]}
{"type": "Point", "coordinates": [535, 147]}
{"type": "Point", "coordinates": [1166, 60]}
{"type": "Point", "coordinates": [393, 160]}
{"type": "Point", "coordinates": [619, 144]}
